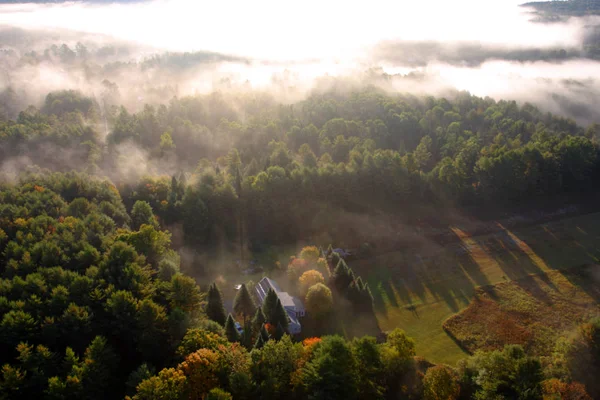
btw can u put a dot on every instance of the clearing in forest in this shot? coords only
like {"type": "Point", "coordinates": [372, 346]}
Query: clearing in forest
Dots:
{"type": "Point", "coordinates": [533, 311]}
{"type": "Point", "coordinates": [418, 289]}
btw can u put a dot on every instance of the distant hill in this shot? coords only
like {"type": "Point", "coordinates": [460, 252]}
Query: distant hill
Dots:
{"type": "Point", "coordinates": [565, 8]}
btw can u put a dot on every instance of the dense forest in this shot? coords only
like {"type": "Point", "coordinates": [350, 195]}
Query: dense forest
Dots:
{"type": "Point", "coordinates": [94, 306]}
{"type": "Point", "coordinates": [93, 300]}
{"type": "Point", "coordinates": [244, 168]}
{"type": "Point", "coordinates": [193, 208]}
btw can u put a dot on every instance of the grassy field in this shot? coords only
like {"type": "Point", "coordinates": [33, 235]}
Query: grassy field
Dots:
{"type": "Point", "coordinates": [418, 289]}
{"type": "Point", "coordinates": [533, 311]}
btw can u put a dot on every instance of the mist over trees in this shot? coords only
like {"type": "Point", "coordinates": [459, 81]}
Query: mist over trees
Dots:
{"type": "Point", "coordinates": [139, 186]}
{"type": "Point", "coordinates": [291, 172]}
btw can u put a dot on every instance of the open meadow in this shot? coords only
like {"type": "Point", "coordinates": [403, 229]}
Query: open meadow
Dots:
{"type": "Point", "coordinates": [418, 290]}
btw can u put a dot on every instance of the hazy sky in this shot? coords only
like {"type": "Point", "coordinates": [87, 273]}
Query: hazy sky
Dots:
{"type": "Point", "coordinates": [272, 29]}
{"type": "Point", "coordinates": [300, 41]}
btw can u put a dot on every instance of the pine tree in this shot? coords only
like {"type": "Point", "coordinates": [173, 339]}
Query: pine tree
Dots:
{"type": "Point", "coordinates": [280, 317]}
{"type": "Point", "coordinates": [353, 294]}
{"type": "Point", "coordinates": [259, 342]}
{"type": "Point", "coordinates": [230, 331]}
{"type": "Point", "coordinates": [246, 338]}
{"type": "Point", "coordinates": [269, 305]}
{"type": "Point", "coordinates": [258, 321]}
{"type": "Point", "coordinates": [243, 305]}
{"type": "Point", "coordinates": [279, 332]}
{"type": "Point", "coordinates": [367, 298]}
{"type": "Point", "coordinates": [342, 277]}
{"type": "Point", "coordinates": [98, 366]}
{"type": "Point", "coordinates": [214, 308]}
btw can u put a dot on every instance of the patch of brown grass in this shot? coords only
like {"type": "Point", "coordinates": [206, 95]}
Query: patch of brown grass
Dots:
{"type": "Point", "coordinates": [533, 311]}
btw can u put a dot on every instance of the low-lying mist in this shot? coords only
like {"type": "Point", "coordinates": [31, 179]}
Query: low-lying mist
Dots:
{"type": "Point", "coordinates": [149, 52]}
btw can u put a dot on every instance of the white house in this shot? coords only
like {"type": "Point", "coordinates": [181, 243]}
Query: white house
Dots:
{"type": "Point", "coordinates": [292, 305]}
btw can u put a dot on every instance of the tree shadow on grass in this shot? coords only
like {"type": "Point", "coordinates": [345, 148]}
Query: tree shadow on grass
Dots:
{"type": "Point", "coordinates": [586, 277]}
{"type": "Point", "coordinates": [450, 276]}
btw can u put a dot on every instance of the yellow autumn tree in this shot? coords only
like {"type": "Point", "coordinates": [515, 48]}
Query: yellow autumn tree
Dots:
{"type": "Point", "coordinates": [310, 254]}
{"type": "Point", "coordinates": [308, 279]}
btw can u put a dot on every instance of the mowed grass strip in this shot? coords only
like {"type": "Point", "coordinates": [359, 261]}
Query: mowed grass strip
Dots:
{"type": "Point", "coordinates": [418, 289]}
{"type": "Point", "coordinates": [533, 311]}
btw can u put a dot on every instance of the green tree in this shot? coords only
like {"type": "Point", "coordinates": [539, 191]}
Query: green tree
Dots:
{"type": "Point", "coordinates": [218, 394]}
{"type": "Point", "coordinates": [509, 373]}
{"type": "Point", "coordinates": [166, 143]}
{"type": "Point", "coordinates": [99, 363]}
{"type": "Point", "coordinates": [231, 331]}
{"type": "Point", "coordinates": [214, 307]}
{"type": "Point", "coordinates": [264, 334]}
{"type": "Point", "coordinates": [270, 305]}
{"type": "Point", "coordinates": [258, 321]}
{"type": "Point", "coordinates": [141, 214]}
{"type": "Point", "coordinates": [136, 377]}
{"type": "Point", "coordinates": [440, 383]}
{"type": "Point", "coordinates": [332, 372]}
{"type": "Point", "coordinates": [259, 343]}
{"type": "Point", "coordinates": [397, 355]}
{"type": "Point", "coordinates": [272, 365]}
{"type": "Point", "coordinates": [341, 278]}
{"type": "Point", "coordinates": [152, 339]}
{"type": "Point", "coordinates": [17, 326]}
{"type": "Point", "coordinates": [319, 301]}
{"type": "Point", "coordinates": [243, 305]}
{"type": "Point", "coordinates": [184, 293]}
{"type": "Point", "coordinates": [370, 368]}
{"type": "Point", "coordinates": [280, 317]}
{"type": "Point", "coordinates": [79, 208]}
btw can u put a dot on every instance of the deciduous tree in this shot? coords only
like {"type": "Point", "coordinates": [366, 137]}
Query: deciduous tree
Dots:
{"type": "Point", "coordinates": [319, 301]}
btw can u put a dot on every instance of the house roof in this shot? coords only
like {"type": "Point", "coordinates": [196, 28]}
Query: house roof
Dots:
{"type": "Point", "coordinates": [286, 299]}
{"type": "Point", "coordinates": [263, 286]}
{"type": "Point", "coordinates": [290, 303]}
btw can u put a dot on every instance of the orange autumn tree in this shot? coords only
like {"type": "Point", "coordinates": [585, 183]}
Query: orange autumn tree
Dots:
{"type": "Point", "coordinates": [308, 346]}
{"type": "Point", "coordinates": [556, 389]}
{"type": "Point", "coordinates": [201, 368]}
{"type": "Point", "coordinates": [297, 267]}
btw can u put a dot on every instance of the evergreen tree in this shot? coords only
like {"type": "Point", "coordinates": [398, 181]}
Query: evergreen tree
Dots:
{"type": "Point", "coordinates": [259, 342]}
{"type": "Point", "coordinates": [98, 366]}
{"type": "Point", "coordinates": [367, 298]}
{"type": "Point", "coordinates": [230, 331]}
{"type": "Point", "coordinates": [214, 308]}
{"type": "Point", "coordinates": [342, 277]}
{"type": "Point", "coordinates": [269, 305]}
{"type": "Point", "coordinates": [258, 321]}
{"type": "Point", "coordinates": [353, 293]}
{"type": "Point", "coordinates": [243, 305]}
{"type": "Point", "coordinates": [279, 332]}
{"type": "Point", "coordinates": [246, 338]}
{"type": "Point", "coordinates": [141, 213]}
{"type": "Point", "coordinates": [280, 317]}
